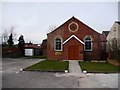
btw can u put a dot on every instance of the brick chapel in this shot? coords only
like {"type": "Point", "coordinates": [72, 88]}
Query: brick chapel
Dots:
{"type": "Point", "coordinates": [73, 40]}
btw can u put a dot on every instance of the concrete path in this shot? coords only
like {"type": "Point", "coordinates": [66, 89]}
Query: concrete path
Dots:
{"type": "Point", "coordinates": [74, 68]}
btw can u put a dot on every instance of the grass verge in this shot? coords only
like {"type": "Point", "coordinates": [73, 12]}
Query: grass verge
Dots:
{"type": "Point", "coordinates": [99, 67]}
{"type": "Point", "coordinates": [49, 65]}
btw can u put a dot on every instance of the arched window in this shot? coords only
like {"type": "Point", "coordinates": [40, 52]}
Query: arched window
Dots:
{"type": "Point", "coordinates": [58, 44]}
{"type": "Point", "coordinates": [88, 43]}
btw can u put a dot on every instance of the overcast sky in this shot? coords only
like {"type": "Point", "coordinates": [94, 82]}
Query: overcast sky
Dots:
{"type": "Point", "coordinates": [34, 19]}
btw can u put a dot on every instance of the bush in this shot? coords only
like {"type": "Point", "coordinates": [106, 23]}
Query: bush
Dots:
{"type": "Point", "coordinates": [88, 57]}
{"type": "Point", "coordinates": [13, 52]}
{"type": "Point", "coordinates": [115, 55]}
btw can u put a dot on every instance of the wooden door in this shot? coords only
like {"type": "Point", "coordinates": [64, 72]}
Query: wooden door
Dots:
{"type": "Point", "coordinates": [73, 53]}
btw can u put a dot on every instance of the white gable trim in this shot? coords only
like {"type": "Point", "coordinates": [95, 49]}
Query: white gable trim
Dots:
{"type": "Point", "coordinates": [75, 38]}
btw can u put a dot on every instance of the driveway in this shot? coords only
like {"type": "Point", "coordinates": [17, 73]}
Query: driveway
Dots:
{"type": "Point", "coordinates": [14, 65]}
{"type": "Point", "coordinates": [13, 78]}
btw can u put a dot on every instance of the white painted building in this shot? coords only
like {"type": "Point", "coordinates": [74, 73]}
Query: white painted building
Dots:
{"type": "Point", "coordinates": [114, 35]}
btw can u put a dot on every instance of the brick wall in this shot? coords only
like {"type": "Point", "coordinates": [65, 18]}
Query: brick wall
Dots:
{"type": "Point", "coordinates": [11, 52]}
{"type": "Point", "coordinates": [65, 33]}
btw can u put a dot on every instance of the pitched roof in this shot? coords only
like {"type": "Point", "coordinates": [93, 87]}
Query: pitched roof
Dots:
{"type": "Point", "coordinates": [73, 18]}
{"type": "Point", "coordinates": [118, 22]}
{"type": "Point", "coordinates": [32, 45]}
{"type": "Point", "coordinates": [106, 33]}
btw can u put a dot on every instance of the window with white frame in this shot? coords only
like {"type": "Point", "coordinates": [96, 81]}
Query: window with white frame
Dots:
{"type": "Point", "coordinates": [88, 43]}
{"type": "Point", "coordinates": [58, 44]}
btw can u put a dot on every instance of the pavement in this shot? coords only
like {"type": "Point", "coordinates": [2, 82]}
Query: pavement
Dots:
{"type": "Point", "coordinates": [74, 68]}
{"type": "Point", "coordinates": [12, 77]}
{"type": "Point", "coordinates": [15, 65]}
{"type": "Point", "coordinates": [91, 80]}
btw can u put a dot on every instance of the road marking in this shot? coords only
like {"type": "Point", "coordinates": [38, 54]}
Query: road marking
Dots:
{"type": "Point", "coordinates": [10, 71]}
{"type": "Point", "coordinates": [2, 71]}
{"type": "Point", "coordinates": [61, 75]}
{"type": "Point", "coordinates": [17, 72]}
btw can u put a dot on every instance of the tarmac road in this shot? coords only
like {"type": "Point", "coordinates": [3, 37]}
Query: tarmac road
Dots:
{"type": "Point", "coordinates": [12, 77]}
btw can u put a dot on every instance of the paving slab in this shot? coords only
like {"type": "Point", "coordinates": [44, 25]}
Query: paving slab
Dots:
{"type": "Point", "coordinates": [74, 68]}
{"type": "Point", "coordinates": [99, 81]}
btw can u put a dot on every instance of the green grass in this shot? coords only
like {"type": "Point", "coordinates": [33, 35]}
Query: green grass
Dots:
{"type": "Point", "coordinates": [39, 57]}
{"type": "Point", "coordinates": [98, 67]}
{"type": "Point", "coordinates": [49, 65]}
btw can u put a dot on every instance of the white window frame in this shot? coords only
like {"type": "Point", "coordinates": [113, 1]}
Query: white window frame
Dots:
{"type": "Point", "coordinates": [55, 44]}
{"type": "Point", "coordinates": [88, 40]}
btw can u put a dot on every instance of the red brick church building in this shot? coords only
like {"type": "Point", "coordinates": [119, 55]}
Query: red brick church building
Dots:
{"type": "Point", "coordinates": [73, 40]}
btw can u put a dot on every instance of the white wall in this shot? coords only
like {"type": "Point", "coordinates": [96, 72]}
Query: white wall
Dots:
{"type": "Point", "coordinates": [114, 33]}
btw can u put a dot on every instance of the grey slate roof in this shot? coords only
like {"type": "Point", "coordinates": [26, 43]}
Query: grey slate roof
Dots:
{"type": "Point", "coordinates": [106, 33]}
{"type": "Point", "coordinates": [118, 22]}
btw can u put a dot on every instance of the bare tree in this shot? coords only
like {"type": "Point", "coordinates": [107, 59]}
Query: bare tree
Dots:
{"type": "Point", "coordinates": [5, 37]}
{"type": "Point", "coordinates": [12, 30]}
{"type": "Point", "coordinates": [6, 33]}
{"type": "Point", "coordinates": [52, 28]}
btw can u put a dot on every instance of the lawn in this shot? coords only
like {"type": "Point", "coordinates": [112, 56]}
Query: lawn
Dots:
{"type": "Point", "coordinates": [98, 67]}
{"type": "Point", "coordinates": [49, 65]}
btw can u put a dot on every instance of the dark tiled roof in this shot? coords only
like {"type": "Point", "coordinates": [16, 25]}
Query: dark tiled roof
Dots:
{"type": "Point", "coordinates": [106, 33]}
{"type": "Point", "coordinates": [118, 22]}
{"type": "Point", "coordinates": [32, 46]}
